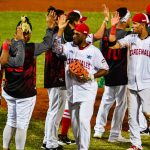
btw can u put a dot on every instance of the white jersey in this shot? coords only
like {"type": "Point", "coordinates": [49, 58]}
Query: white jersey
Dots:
{"type": "Point", "coordinates": [92, 60]}
{"type": "Point", "coordinates": [138, 61]}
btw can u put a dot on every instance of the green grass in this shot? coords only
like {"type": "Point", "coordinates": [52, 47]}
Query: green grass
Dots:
{"type": "Point", "coordinates": [9, 21]}
{"type": "Point", "coordinates": [35, 136]}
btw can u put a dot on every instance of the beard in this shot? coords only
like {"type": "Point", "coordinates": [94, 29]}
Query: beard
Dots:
{"type": "Point", "coordinates": [77, 42]}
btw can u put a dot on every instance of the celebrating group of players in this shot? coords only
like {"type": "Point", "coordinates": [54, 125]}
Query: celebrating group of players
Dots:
{"type": "Point", "coordinates": [123, 60]}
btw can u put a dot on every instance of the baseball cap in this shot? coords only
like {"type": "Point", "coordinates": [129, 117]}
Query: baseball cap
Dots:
{"type": "Point", "coordinates": [83, 28]}
{"type": "Point", "coordinates": [148, 9]}
{"type": "Point", "coordinates": [82, 18]}
{"type": "Point", "coordinates": [140, 17]}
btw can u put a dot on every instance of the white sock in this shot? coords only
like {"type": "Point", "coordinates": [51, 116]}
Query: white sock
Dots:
{"type": "Point", "coordinates": [20, 138]}
{"type": "Point", "coordinates": [7, 136]}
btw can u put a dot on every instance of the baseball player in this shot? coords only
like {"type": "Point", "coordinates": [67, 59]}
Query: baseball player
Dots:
{"type": "Point", "coordinates": [20, 90]}
{"type": "Point", "coordinates": [138, 72]}
{"type": "Point", "coordinates": [144, 129]}
{"type": "Point", "coordinates": [55, 79]}
{"type": "Point", "coordinates": [115, 82]}
{"type": "Point", "coordinates": [74, 18]}
{"type": "Point", "coordinates": [81, 93]}
{"type": "Point", "coordinates": [68, 37]}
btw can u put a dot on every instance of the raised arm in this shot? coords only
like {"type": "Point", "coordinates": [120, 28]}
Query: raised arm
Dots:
{"type": "Point", "coordinates": [18, 47]}
{"type": "Point", "coordinates": [48, 39]}
{"type": "Point", "coordinates": [112, 37]}
{"type": "Point", "coordinates": [57, 46]}
{"type": "Point", "coordinates": [99, 34]}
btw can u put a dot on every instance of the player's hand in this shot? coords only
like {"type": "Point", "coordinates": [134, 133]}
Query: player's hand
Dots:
{"type": "Point", "coordinates": [62, 22]}
{"type": "Point", "coordinates": [19, 34]}
{"type": "Point", "coordinates": [51, 19]}
{"type": "Point", "coordinates": [115, 19]}
{"type": "Point", "coordinates": [106, 12]}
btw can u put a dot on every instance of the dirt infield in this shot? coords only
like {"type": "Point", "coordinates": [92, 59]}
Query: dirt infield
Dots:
{"type": "Point", "coordinates": [84, 5]}
{"type": "Point", "coordinates": [42, 106]}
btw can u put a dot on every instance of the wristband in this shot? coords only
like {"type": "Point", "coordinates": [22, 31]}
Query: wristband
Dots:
{"type": "Point", "coordinates": [5, 46]}
{"type": "Point", "coordinates": [105, 21]}
{"type": "Point", "coordinates": [113, 30]}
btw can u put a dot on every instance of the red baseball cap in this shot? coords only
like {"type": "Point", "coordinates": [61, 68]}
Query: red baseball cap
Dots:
{"type": "Point", "coordinates": [148, 9]}
{"type": "Point", "coordinates": [82, 18]}
{"type": "Point", "coordinates": [140, 17]}
{"type": "Point", "coordinates": [83, 28]}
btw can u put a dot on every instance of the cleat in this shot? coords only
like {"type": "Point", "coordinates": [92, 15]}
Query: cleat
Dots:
{"type": "Point", "coordinates": [119, 139]}
{"type": "Point", "coordinates": [98, 135]}
{"type": "Point", "coordinates": [145, 132]}
{"type": "Point", "coordinates": [43, 146]}
{"type": "Point", "coordinates": [133, 147]}
{"type": "Point", "coordinates": [64, 140]}
{"type": "Point", "coordinates": [56, 148]}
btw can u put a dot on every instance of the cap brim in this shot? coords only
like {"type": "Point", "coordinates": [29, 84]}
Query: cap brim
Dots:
{"type": "Point", "coordinates": [83, 19]}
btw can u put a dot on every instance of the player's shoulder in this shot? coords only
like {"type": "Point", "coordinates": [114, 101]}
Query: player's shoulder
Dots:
{"type": "Point", "coordinates": [69, 44]}
{"type": "Point", "coordinates": [94, 49]}
{"type": "Point", "coordinates": [91, 46]}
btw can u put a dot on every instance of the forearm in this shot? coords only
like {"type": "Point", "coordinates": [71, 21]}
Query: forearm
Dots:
{"type": "Point", "coordinates": [60, 32]}
{"type": "Point", "coordinates": [100, 73]}
{"type": "Point", "coordinates": [112, 38]}
{"type": "Point", "coordinates": [46, 44]}
{"type": "Point", "coordinates": [4, 57]}
{"type": "Point", "coordinates": [57, 46]}
{"type": "Point", "coordinates": [99, 34]}
{"type": "Point", "coordinates": [4, 54]}
{"type": "Point", "coordinates": [18, 60]}
{"type": "Point", "coordinates": [112, 35]}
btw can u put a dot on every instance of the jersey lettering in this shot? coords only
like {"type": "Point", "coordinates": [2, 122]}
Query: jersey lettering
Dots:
{"type": "Point", "coordinates": [140, 52]}
{"type": "Point", "coordinates": [84, 63]}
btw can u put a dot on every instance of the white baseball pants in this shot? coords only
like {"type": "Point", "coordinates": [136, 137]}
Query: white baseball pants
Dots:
{"type": "Point", "coordinates": [135, 99]}
{"type": "Point", "coordinates": [19, 110]}
{"type": "Point", "coordinates": [18, 117]}
{"type": "Point", "coordinates": [57, 100]}
{"type": "Point", "coordinates": [81, 114]}
{"type": "Point", "coordinates": [112, 94]}
{"type": "Point", "coordinates": [142, 120]}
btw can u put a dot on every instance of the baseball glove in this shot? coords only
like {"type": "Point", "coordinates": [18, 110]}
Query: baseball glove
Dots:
{"type": "Point", "coordinates": [78, 71]}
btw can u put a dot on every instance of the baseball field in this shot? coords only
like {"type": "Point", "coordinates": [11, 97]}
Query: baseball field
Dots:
{"type": "Point", "coordinates": [10, 12]}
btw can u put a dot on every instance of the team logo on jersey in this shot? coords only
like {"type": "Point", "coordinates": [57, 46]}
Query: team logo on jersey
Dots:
{"type": "Point", "coordinates": [89, 56]}
{"type": "Point", "coordinates": [103, 61]}
{"type": "Point", "coordinates": [95, 68]}
{"type": "Point", "coordinates": [71, 51]}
